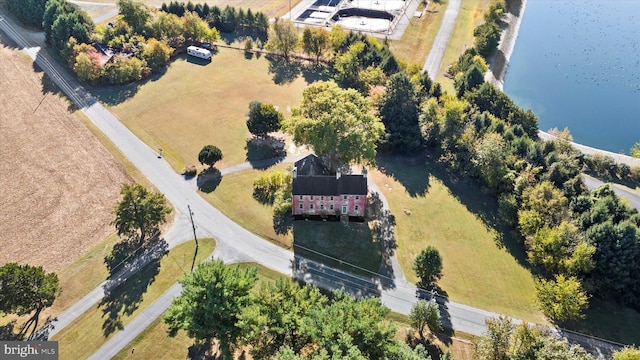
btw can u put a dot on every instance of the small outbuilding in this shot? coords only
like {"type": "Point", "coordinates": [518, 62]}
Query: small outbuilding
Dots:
{"type": "Point", "coordinates": [317, 194]}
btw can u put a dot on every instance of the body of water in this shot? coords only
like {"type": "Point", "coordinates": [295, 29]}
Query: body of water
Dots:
{"type": "Point", "coordinates": [576, 64]}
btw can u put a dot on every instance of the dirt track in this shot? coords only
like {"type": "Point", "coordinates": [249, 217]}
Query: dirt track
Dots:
{"type": "Point", "coordinates": [58, 184]}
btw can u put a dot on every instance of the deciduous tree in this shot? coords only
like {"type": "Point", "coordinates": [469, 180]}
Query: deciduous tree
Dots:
{"type": "Point", "coordinates": [209, 155]}
{"type": "Point", "coordinates": [283, 37]}
{"type": "Point", "coordinates": [156, 54]}
{"type": "Point", "coordinates": [315, 41]}
{"type": "Point", "coordinates": [425, 314]}
{"type": "Point", "coordinates": [263, 119]}
{"type": "Point", "coordinates": [336, 123]}
{"type": "Point", "coordinates": [562, 298]}
{"type": "Point", "coordinates": [25, 289]}
{"type": "Point", "coordinates": [140, 212]}
{"type": "Point", "coordinates": [276, 316]}
{"type": "Point", "coordinates": [135, 13]}
{"type": "Point", "coordinates": [212, 299]}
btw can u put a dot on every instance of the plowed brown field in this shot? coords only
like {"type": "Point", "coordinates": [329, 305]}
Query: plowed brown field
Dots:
{"type": "Point", "coordinates": [58, 184]}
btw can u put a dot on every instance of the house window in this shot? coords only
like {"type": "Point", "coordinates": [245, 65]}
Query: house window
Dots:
{"type": "Point", "coordinates": [331, 197]}
{"type": "Point", "coordinates": [331, 207]}
{"type": "Point", "coordinates": [321, 206]}
{"type": "Point", "coordinates": [344, 209]}
{"type": "Point", "coordinates": [344, 197]}
{"type": "Point", "coordinates": [310, 206]}
{"type": "Point", "coordinates": [311, 198]}
{"type": "Point", "coordinates": [356, 208]}
{"type": "Point", "coordinates": [301, 197]}
{"type": "Point", "coordinates": [357, 197]}
{"type": "Point", "coordinates": [301, 206]}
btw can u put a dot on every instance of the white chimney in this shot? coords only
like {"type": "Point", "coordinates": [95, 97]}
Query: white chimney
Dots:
{"type": "Point", "coordinates": [338, 174]}
{"type": "Point", "coordinates": [295, 172]}
{"type": "Point", "coordinates": [364, 172]}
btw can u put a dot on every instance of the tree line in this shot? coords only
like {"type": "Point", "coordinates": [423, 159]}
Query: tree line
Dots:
{"type": "Point", "coordinates": [227, 20]}
{"type": "Point", "coordinates": [282, 320]}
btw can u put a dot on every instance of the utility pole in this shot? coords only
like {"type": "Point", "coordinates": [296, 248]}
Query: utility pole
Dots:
{"type": "Point", "coordinates": [193, 226]}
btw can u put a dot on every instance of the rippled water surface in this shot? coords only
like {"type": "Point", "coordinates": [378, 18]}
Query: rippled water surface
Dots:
{"type": "Point", "coordinates": [576, 64]}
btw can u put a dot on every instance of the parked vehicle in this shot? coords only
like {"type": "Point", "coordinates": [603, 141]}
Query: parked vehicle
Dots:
{"type": "Point", "coordinates": [199, 52]}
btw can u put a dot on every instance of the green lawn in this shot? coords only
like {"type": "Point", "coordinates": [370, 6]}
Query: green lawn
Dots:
{"type": "Point", "coordinates": [355, 243]}
{"type": "Point", "coordinates": [93, 328]}
{"type": "Point", "coordinates": [195, 104]}
{"type": "Point", "coordinates": [416, 42]}
{"type": "Point", "coordinates": [482, 268]}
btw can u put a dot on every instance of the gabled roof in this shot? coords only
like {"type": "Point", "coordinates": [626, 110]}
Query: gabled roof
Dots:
{"type": "Point", "coordinates": [312, 178]}
{"type": "Point", "coordinates": [310, 165]}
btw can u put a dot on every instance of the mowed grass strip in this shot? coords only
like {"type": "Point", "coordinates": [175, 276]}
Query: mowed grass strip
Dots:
{"type": "Point", "coordinates": [416, 42]}
{"type": "Point", "coordinates": [155, 343]}
{"type": "Point", "coordinates": [469, 16]}
{"type": "Point", "coordinates": [93, 328]}
{"type": "Point", "coordinates": [196, 104]}
{"type": "Point", "coordinates": [476, 271]}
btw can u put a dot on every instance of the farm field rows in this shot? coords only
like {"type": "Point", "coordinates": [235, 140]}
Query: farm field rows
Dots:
{"type": "Point", "coordinates": [54, 171]}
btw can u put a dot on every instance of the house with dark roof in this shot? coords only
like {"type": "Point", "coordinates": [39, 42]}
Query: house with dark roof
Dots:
{"type": "Point", "coordinates": [316, 193]}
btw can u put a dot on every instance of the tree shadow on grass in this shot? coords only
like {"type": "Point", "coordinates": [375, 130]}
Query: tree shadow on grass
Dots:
{"type": "Point", "coordinates": [351, 247]}
{"type": "Point", "coordinates": [485, 207]}
{"type": "Point", "coordinates": [124, 299]}
{"type": "Point", "coordinates": [209, 179]}
{"type": "Point", "coordinates": [414, 173]}
{"type": "Point", "coordinates": [282, 224]}
{"type": "Point", "coordinates": [263, 153]}
{"type": "Point", "coordinates": [408, 171]}
{"type": "Point", "coordinates": [383, 228]}
{"type": "Point", "coordinates": [284, 71]}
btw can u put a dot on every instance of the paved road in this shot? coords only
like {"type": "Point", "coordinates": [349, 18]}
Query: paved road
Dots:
{"type": "Point", "coordinates": [436, 54]}
{"type": "Point", "coordinates": [234, 242]}
{"type": "Point", "coordinates": [622, 191]}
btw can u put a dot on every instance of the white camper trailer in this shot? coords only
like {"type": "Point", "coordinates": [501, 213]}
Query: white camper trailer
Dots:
{"type": "Point", "coordinates": [199, 52]}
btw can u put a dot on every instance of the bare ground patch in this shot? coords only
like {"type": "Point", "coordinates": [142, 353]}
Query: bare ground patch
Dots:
{"type": "Point", "coordinates": [58, 184]}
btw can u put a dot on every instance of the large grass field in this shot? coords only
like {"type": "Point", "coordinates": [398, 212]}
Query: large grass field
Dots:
{"type": "Point", "coordinates": [93, 328]}
{"type": "Point", "coordinates": [482, 266]}
{"type": "Point", "coordinates": [195, 104]}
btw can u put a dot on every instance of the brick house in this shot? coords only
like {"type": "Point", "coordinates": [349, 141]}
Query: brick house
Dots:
{"type": "Point", "coordinates": [317, 194]}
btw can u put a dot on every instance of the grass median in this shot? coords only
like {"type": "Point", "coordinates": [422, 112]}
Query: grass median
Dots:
{"type": "Point", "coordinates": [93, 328]}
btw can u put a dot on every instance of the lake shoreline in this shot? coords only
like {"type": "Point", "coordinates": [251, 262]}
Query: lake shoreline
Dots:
{"type": "Point", "coordinates": [499, 64]}
{"type": "Point", "coordinates": [499, 61]}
